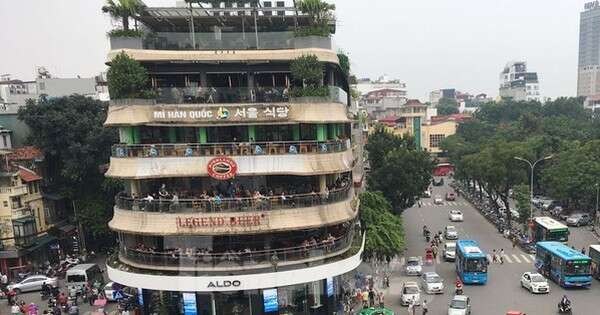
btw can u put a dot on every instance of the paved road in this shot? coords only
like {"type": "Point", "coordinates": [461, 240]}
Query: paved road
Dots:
{"type": "Point", "coordinates": [502, 292]}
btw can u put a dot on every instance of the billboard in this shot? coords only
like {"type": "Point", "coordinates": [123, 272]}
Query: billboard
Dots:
{"type": "Point", "coordinates": [270, 300]}
{"type": "Point", "coordinates": [189, 304]}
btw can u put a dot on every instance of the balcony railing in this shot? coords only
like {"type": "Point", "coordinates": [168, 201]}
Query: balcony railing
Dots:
{"type": "Point", "coordinates": [14, 190]}
{"type": "Point", "coordinates": [216, 205]}
{"type": "Point", "coordinates": [232, 41]}
{"type": "Point", "coordinates": [248, 258]}
{"type": "Point", "coordinates": [242, 149]}
{"type": "Point", "coordinates": [235, 95]}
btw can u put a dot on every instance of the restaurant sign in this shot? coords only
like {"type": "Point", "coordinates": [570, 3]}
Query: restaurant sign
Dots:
{"type": "Point", "coordinates": [222, 221]}
{"type": "Point", "coordinates": [222, 168]}
{"type": "Point", "coordinates": [234, 113]}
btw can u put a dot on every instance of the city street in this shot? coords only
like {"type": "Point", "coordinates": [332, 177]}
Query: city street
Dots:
{"type": "Point", "coordinates": [502, 292]}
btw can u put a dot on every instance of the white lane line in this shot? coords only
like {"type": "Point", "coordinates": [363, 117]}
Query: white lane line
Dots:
{"type": "Point", "coordinates": [532, 257]}
{"type": "Point", "coordinates": [525, 258]}
{"type": "Point", "coordinates": [507, 259]}
{"type": "Point", "coordinates": [517, 260]}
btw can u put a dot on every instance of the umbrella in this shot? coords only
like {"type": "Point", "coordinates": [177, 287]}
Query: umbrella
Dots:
{"type": "Point", "coordinates": [100, 302]}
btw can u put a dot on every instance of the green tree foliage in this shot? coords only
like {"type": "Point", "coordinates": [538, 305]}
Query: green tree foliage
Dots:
{"type": "Point", "coordinates": [398, 170]}
{"type": "Point", "coordinates": [70, 133]}
{"type": "Point", "coordinates": [127, 78]}
{"type": "Point", "coordinates": [307, 71]}
{"type": "Point", "coordinates": [123, 10]}
{"type": "Point", "coordinates": [447, 106]}
{"type": "Point", "coordinates": [319, 11]}
{"type": "Point", "coordinates": [521, 195]}
{"type": "Point", "coordinates": [384, 231]}
{"type": "Point", "coordinates": [344, 63]}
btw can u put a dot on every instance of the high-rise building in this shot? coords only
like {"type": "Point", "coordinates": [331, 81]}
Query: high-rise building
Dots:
{"type": "Point", "coordinates": [239, 194]}
{"type": "Point", "coordinates": [519, 84]}
{"type": "Point", "coordinates": [588, 71]}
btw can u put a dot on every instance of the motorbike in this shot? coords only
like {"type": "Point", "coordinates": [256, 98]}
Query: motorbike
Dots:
{"type": "Point", "coordinates": [428, 238]}
{"type": "Point", "coordinates": [458, 290]}
{"type": "Point", "coordinates": [564, 308]}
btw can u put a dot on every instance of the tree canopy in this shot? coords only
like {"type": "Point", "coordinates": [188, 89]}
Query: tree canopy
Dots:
{"type": "Point", "coordinates": [127, 78]}
{"type": "Point", "coordinates": [447, 106]}
{"type": "Point", "coordinates": [384, 231]}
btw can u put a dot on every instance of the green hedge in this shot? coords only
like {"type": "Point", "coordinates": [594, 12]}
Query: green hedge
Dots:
{"type": "Point", "coordinates": [317, 30]}
{"type": "Point", "coordinates": [125, 33]}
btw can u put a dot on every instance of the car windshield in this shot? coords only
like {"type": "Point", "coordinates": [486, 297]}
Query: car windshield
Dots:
{"type": "Point", "coordinates": [451, 248]}
{"type": "Point", "coordinates": [577, 268]}
{"type": "Point", "coordinates": [476, 265]}
{"type": "Point", "coordinates": [433, 279]}
{"type": "Point", "coordinates": [458, 304]}
{"type": "Point", "coordinates": [76, 278]}
{"type": "Point", "coordinates": [411, 290]}
{"type": "Point", "coordinates": [413, 263]}
{"type": "Point", "coordinates": [537, 278]}
{"type": "Point", "coordinates": [450, 229]}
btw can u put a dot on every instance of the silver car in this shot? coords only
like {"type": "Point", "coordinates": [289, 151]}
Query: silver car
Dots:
{"type": "Point", "coordinates": [32, 283]}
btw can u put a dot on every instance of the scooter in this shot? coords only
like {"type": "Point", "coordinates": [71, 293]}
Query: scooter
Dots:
{"type": "Point", "coordinates": [564, 308]}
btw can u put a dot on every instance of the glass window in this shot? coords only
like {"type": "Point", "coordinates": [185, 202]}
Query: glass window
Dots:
{"type": "Point", "coordinates": [435, 140]}
{"type": "Point", "coordinates": [577, 268]}
{"type": "Point", "coordinates": [476, 265]}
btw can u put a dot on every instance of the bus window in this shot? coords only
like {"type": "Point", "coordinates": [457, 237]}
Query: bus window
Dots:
{"type": "Point", "coordinates": [476, 265]}
{"type": "Point", "coordinates": [577, 268]}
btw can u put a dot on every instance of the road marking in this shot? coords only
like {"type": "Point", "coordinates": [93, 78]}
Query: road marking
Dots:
{"type": "Point", "coordinates": [489, 257]}
{"type": "Point", "coordinates": [516, 258]}
{"type": "Point", "coordinates": [532, 257]}
{"type": "Point", "coordinates": [525, 258]}
{"type": "Point", "coordinates": [507, 259]}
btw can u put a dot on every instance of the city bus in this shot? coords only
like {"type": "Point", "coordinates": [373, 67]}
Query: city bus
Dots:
{"type": "Point", "coordinates": [564, 265]}
{"type": "Point", "coordinates": [471, 262]}
{"type": "Point", "coordinates": [548, 229]}
{"type": "Point", "coordinates": [594, 253]}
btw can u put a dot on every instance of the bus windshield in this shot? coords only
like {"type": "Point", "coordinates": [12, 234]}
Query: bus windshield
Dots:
{"type": "Point", "coordinates": [581, 268]}
{"type": "Point", "coordinates": [561, 235]}
{"type": "Point", "coordinates": [476, 265]}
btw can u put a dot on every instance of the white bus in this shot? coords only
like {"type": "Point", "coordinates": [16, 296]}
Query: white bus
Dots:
{"type": "Point", "coordinates": [80, 275]}
{"type": "Point", "coordinates": [548, 229]}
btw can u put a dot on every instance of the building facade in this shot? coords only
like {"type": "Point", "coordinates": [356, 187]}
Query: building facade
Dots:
{"type": "Point", "coordinates": [519, 84]}
{"type": "Point", "coordinates": [588, 71]}
{"type": "Point", "coordinates": [239, 198]}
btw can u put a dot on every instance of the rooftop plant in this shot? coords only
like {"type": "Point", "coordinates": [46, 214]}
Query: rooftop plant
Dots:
{"type": "Point", "coordinates": [127, 78]}
{"type": "Point", "coordinates": [125, 33]}
{"type": "Point", "coordinates": [321, 13]}
{"type": "Point", "coordinates": [307, 72]}
{"type": "Point", "coordinates": [123, 10]}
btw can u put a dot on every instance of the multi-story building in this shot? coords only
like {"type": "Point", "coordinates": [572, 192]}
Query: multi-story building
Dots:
{"type": "Point", "coordinates": [588, 70]}
{"type": "Point", "coordinates": [239, 198]}
{"type": "Point", "coordinates": [382, 96]}
{"type": "Point", "coordinates": [518, 84]}
{"type": "Point", "coordinates": [437, 95]}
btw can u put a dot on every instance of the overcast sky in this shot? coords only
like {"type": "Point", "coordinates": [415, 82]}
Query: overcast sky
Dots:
{"type": "Point", "coordinates": [427, 44]}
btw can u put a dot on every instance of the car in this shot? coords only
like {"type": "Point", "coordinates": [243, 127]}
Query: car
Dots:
{"type": "Point", "coordinates": [579, 219]}
{"type": "Point", "coordinates": [438, 182]}
{"type": "Point", "coordinates": [33, 283]}
{"type": "Point", "coordinates": [459, 305]}
{"type": "Point", "coordinates": [111, 294]}
{"type": "Point", "coordinates": [450, 232]}
{"type": "Point", "coordinates": [427, 194]}
{"type": "Point", "coordinates": [455, 216]}
{"type": "Point", "coordinates": [450, 251]}
{"type": "Point", "coordinates": [535, 282]}
{"type": "Point", "coordinates": [450, 196]}
{"type": "Point", "coordinates": [438, 200]}
{"type": "Point", "coordinates": [432, 283]}
{"type": "Point", "coordinates": [410, 292]}
{"type": "Point", "coordinates": [414, 266]}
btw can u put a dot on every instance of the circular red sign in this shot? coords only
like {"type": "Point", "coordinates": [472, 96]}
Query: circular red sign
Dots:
{"type": "Point", "coordinates": [222, 168]}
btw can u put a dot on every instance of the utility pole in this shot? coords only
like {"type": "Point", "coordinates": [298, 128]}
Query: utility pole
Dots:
{"type": "Point", "coordinates": [79, 229]}
{"type": "Point", "coordinates": [532, 167]}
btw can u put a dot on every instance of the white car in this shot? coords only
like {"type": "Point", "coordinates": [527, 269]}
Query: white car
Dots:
{"type": "Point", "coordinates": [438, 200]}
{"type": "Point", "coordinates": [450, 251]}
{"type": "Point", "coordinates": [432, 283]}
{"type": "Point", "coordinates": [32, 283]}
{"type": "Point", "coordinates": [414, 266]}
{"type": "Point", "coordinates": [455, 216]}
{"type": "Point", "coordinates": [427, 193]}
{"type": "Point", "coordinates": [459, 305]}
{"type": "Point", "coordinates": [450, 232]}
{"type": "Point", "coordinates": [535, 282]}
{"type": "Point", "coordinates": [410, 292]}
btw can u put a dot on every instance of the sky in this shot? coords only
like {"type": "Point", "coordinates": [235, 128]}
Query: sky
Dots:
{"type": "Point", "coordinates": [462, 44]}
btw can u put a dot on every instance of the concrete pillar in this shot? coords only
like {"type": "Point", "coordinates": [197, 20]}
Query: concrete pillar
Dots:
{"type": "Point", "coordinates": [331, 77]}
{"type": "Point", "coordinates": [321, 132]}
{"type": "Point", "coordinates": [135, 187]}
{"type": "Point", "coordinates": [203, 79]}
{"type": "Point", "coordinates": [202, 138]}
{"type": "Point", "coordinates": [322, 182]}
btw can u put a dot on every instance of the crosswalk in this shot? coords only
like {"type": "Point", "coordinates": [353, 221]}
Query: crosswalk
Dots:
{"type": "Point", "coordinates": [508, 259]}
{"type": "Point", "coordinates": [445, 203]}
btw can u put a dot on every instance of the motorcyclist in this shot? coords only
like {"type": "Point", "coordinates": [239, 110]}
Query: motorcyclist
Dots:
{"type": "Point", "coordinates": [565, 304]}
{"type": "Point", "coordinates": [425, 230]}
{"type": "Point", "coordinates": [458, 286]}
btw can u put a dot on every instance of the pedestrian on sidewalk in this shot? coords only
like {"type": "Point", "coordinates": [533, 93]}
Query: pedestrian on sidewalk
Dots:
{"type": "Point", "coordinates": [365, 298]}
{"type": "Point", "coordinates": [411, 307]}
{"type": "Point", "coordinates": [371, 298]}
{"type": "Point", "coordinates": [424, 306]}
{"type": "Point", "coordinates": [502, 256]}
{"type": "Point", "coordinates": [381, 300]}
{"type": "Point", "coordinates": [514, 241]}
{"type": "Point", "coordinates": [494, 256]}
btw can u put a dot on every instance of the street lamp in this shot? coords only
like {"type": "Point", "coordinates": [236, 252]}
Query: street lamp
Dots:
{"type": "Point", "coordinates": [532, 166]}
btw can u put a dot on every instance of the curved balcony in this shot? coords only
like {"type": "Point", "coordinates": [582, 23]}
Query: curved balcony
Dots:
{"type": "Point", "coordinates": [213, 205]}
{"type": "Point", "coordinates": [179, 260]}
{"type": "Point", "coordinates": [231, 148]}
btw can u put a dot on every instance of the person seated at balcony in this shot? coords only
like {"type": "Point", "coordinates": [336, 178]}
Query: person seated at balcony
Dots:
{"type": "Point", "coordinates": [216, 201]}
{"type": "Point", "coordinates": [174, 203]}
{"type": "Point", "coordinates": [234, 146]}
{"type": "Point", "coordinates": [283, 199]}
{"type": "Point", "coordinates": [162, 192]}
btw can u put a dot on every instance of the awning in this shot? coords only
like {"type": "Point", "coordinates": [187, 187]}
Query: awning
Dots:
{"type": "Point", "coordinates": [67, 228]}
{"type": "Point", "coordinates": [24, 220]}
{"type": "Point", "coordinates": [40, 242]}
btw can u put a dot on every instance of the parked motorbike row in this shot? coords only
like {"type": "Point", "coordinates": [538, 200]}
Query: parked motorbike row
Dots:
{"type": "Point", "coordinates": [494, 216]}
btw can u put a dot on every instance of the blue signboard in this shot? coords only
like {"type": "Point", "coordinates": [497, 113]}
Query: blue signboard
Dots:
{"type": "Point", "coordinates": [270, 300]}
{"type": "Point", "coordinates": [189, 304]}
{"type": "Point", "coordinates": [329, 286]}
{"type": "Point", "coordinates": [140, 296]}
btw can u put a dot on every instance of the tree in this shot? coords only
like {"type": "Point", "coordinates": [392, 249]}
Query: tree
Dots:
{"type": "Point", "coordinates": [521, 195]}
{"type": "Point", "coordinates": [319, 11]}
{"type": "Point", "coordinates": [447, 106]}
{"type": "Point", "coordinates": [123, 10]}
{"type": "Point", "coordinates": [381, 141]}
{"type": "Point", "coordinates": [69, 131]}
{"type": "Point", "coordinates": [344, 63]}
{"type": "Point", "coordinates": [384, 231]}
{"type": "Point", "coordinates": [127, 78]}
{"type": "Point", "coordinates": [307, 70]}
{"type": "Point", "coordinates": [403, 176]}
